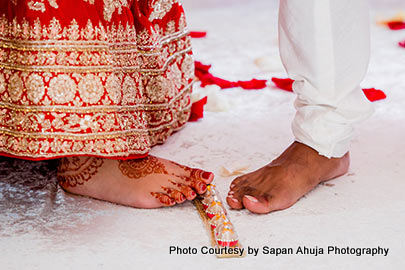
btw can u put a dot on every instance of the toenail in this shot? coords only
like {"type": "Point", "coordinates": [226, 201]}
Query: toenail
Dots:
{"type": "Point", "coordinates": [231, 192]}
{"type": "Point", "coordinates": [233, 185]}
{"type": "Point", "coordinates": [206, 175]}
{"type": "Point", "coordinates": [234, 199]}
{"type": "Point", "coordinates": [252, 199]}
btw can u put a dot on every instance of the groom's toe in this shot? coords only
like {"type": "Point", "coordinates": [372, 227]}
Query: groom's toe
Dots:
{"type": "Point", "coordinates": [257, 205]}
{"type": "Point", "coordinates": [266, 204]}
{"type": "Point", "coordinates": [235, 183]}
{"type": "Point", "coordinates": [234, 202]}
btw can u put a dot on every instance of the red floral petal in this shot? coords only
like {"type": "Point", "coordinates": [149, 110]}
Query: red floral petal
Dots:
{"type": "Point", "coordinates": [374, 94]}
{"type": "Point", "coordinates": [284, 84]}
{"type": "Point", "coordinates": [224, 84]}
{"type": "Point", "coordinates": [200, 67]}
{"type": "Point", "coordinates": [209, 79]}
{"type": "Point", "coordinates": [206, 78]}
{"type": "Point", "coordinates": [201, 71]}
{"type": "Point", "coordinates": [252, 84]}
{"type": "Point", "coordinates": [197, 109]}
{"type": "Point", "coordinates": [396, 25]}
{"type": "Point", "coordinates": [198, 34]}
{"type": "Point", "coordinates": [402, 44]}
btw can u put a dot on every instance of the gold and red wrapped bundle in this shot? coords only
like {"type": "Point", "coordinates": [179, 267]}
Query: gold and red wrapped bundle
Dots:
{"type": "Point", "coordinates": [221, 230]}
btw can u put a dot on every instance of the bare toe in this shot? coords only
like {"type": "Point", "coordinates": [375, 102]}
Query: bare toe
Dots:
{"type": "Point", "coordinates": [199, 186]}
{"type": "Point", "coordinates": [187, 191]}
{"type": "Point", "coordinates": [233, 202]}
{"type": "Point", "coordinates": [255, 205]}
{"type": "Point", "coordinates": [262, 205]}
{"type": "Point", "coordinates": [164, 199]}
{"type": "Point", "coordinates": [206, 177]}
{"type": "Point", "coordinates": [236, 182]}
{"type": "Point", "coordinates": [175, 194]}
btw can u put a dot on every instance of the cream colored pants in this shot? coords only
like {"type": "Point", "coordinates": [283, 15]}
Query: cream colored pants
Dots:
{"type": "Point", "coordinates": [325, 47]}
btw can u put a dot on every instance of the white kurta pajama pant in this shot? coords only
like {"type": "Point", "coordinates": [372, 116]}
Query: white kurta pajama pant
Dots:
{"type": "Point", "coordinates": [325, 47]}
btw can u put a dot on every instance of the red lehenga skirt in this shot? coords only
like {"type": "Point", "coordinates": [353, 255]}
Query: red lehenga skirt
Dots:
{"type": "Point", "coordinates": [106, 78]}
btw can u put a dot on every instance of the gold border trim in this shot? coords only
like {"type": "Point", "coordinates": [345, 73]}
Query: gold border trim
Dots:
{"type": "Point", "coordinates": [82, 153]}
{"type": "Point", "coordinates": [97, 108]}
{"type": "Point", "coordinates": [99, 135]}
{"type": "Point", "coordinates": [90, 45]}
{"type": "Point", "coordinates": [92, 69]}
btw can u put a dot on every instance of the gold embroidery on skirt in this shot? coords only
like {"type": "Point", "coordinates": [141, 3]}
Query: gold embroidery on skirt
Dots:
{"type": "Point", "coordinates": [40, 5]}
{"type": "Point", "coordinates": [53, 37]}
{"type": "Point", "coordinates": [35, 88]}
{"type": "Point", "coordinates": [161, 8]}
{"type": "Point", "coordinates": [41, 139]}
{"type": "Point", "coordinates": [110, 6]}
{"type": "Point", "coordinates": [62, 89]}
{"type": "Point", "coordinates": [53, 3]}
{"type": "Point", "coordinates": [37, 5]}
{"type": "Point", "coordinates": [15, 87]}
{"type": "Point", "coordinates": [92, 90]}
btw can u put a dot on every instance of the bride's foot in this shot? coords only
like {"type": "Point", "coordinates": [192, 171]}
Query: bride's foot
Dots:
{"type": "Point", "coordinates": [150, 182]}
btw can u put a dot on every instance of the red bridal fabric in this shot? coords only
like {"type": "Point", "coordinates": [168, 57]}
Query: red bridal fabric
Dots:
{"type": "Point", "coordinates": [286, 84]}
{"type": "Point", "coordinates": [92, 77]}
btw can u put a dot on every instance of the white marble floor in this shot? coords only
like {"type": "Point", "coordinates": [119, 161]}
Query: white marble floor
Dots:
{"type": "Point", "coordinates": [44, 228]}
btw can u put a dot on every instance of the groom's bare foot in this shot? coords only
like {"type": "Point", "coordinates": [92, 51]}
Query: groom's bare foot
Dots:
{"type": "Point", "coordinates": [143, 183]}
{"type": "Point", "coordinates": [285, 180]}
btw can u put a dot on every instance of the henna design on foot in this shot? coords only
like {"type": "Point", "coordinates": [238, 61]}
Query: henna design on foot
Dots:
{"type": "Point", "coordinates": [140, 168]}
{"type": "Point", "coordinates": [77, 170]}
{"type": "Point", "coordinates": [174, 194]}
{"type": "Point", "coordinates": [184, 168]}
{"type": "Point", "coordinates": [193, 172]}
{"type": "Point", "coordinates": [185, 189]}
{"type": "Point", "coordinates": [166, 200]}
